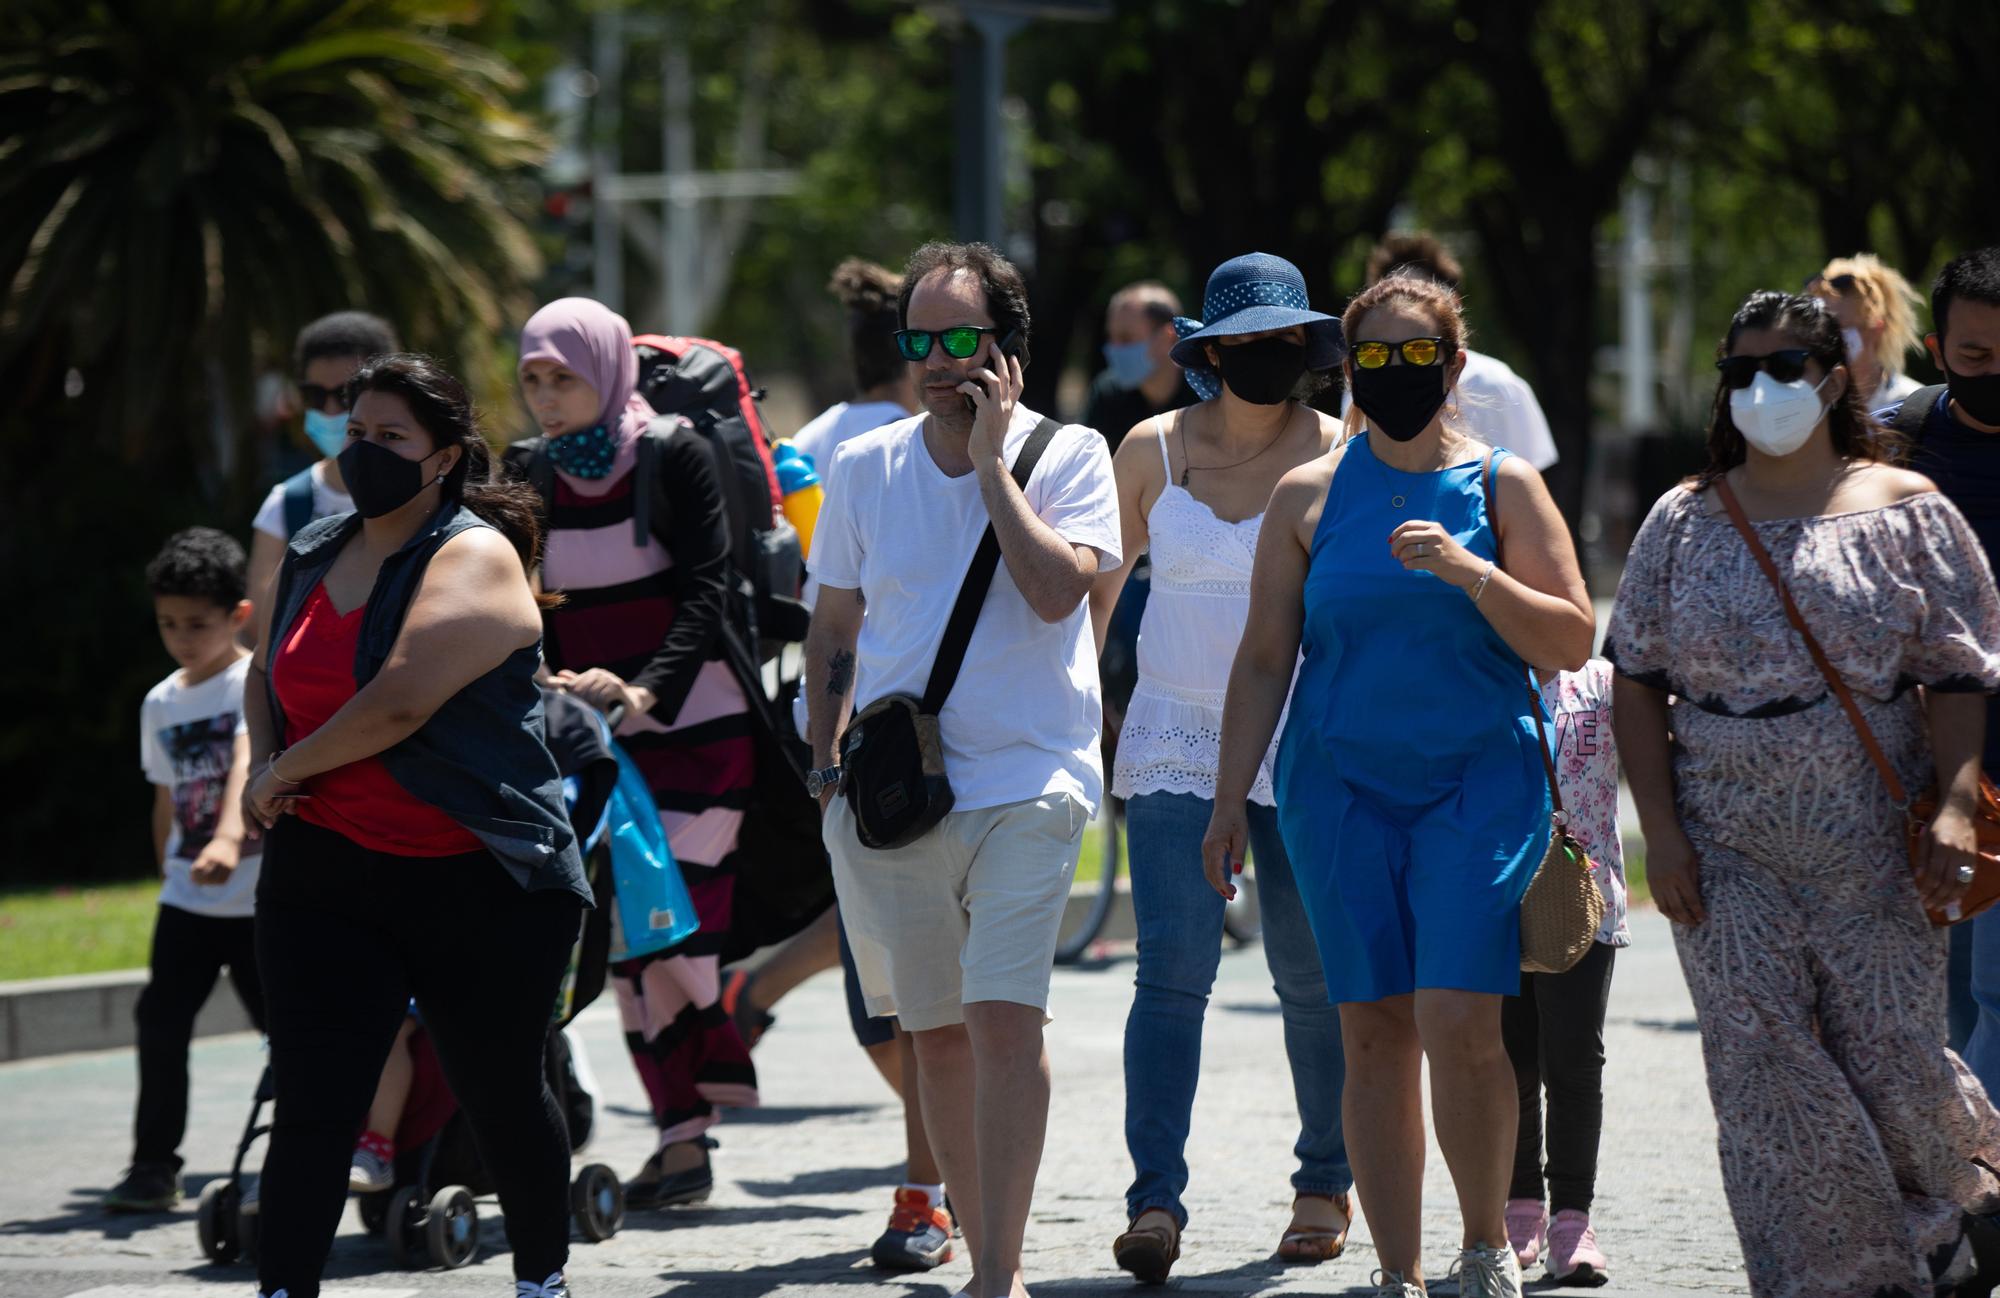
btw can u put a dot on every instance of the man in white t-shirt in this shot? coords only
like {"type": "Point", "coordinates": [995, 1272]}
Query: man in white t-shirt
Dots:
{"type": "Point", "coordinates": [1498, 405]}
{"type": "Point", "coordinates": [956, 932]}
{"type": "Point", "coordinates": [327, 353]}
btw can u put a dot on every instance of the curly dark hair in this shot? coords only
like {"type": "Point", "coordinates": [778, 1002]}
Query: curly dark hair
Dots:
{"type": "Point", "coordinates": [1807, 322]}
{"type": "Point", "coordinates": [870, 292]}
{"type": "Point", "coordinates": [344, 333]}
{"type": "Point", "coordinates": [1006, 292]}
{"type": "Point", "coordinates": [441, 405]}
{"type": "Point", "coordinates": [201, 563]}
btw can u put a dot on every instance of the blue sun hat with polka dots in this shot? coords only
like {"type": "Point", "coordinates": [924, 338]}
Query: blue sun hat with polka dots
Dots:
{"type": "Point", "coordinates": [1247, 295]}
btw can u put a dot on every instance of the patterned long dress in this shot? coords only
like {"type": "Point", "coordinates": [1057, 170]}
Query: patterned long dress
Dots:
{"type": "Point", "coordinates": [622, 604]}
{"type": "Point", "coordinates": [1847, 1132]}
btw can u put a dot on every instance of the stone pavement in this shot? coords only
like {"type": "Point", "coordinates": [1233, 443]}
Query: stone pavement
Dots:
{"type": "Point", "coordinates": [803, 1184]}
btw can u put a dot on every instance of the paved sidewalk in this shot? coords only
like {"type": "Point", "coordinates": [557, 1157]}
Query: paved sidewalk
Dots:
{"type": "Point", "coordinates": [803, 1185]}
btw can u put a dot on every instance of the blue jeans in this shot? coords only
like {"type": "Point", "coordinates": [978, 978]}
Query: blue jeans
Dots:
{"type": "Point", "coordinates": [1180, 945]}
{"type": "Point", "coordinates": [1982, 1051]}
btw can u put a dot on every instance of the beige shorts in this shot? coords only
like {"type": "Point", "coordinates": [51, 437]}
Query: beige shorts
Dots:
{"type": "Point", "coordinates": [969, 912]}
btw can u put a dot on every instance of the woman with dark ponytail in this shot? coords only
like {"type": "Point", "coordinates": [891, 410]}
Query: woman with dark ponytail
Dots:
{"type": "Point", "coordinates": [415, 819]}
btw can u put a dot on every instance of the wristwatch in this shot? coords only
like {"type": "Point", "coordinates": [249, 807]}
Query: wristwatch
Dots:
{"type": "Point", "coordinates": [818, 782]}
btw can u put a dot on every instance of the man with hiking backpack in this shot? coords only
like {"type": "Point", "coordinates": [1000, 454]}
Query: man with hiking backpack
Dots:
{"type": "Point", "coordinates": [1954, 433]}
{"type": "Point", "coordinates": [953, 555]}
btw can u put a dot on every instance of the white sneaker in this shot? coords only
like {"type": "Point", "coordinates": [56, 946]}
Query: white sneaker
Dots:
{"type": "Point", "coordinates": [1487, 1272]}
{"type": "Point", "coordinates": [370, 1171]}
{"type": "Point", "coordinates": [553, 1287]}
{"type": "Point", "coordinates": [1390, 1285]}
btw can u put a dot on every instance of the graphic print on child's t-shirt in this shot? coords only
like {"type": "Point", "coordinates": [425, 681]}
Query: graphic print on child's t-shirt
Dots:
{"type": "Point", "coordinates": [200, 753]}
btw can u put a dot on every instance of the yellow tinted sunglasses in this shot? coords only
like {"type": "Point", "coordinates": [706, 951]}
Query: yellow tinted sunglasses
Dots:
{"type": "Point", "coordinates": [1416, 351]}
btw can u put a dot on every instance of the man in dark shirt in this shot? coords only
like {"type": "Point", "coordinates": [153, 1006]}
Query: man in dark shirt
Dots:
{"type": "Point", "coordinates": [1138, 381]}
{"type": "Point", "coordinates": [1955, 430]}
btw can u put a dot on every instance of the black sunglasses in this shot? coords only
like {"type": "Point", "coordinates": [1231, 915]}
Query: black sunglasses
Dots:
{"type": "Point", "coordinates": [316, 396]}
{"type": "Point", "coordinates": [1841, 284]}
{"type": "Point", "coordinates": [1787, 366]}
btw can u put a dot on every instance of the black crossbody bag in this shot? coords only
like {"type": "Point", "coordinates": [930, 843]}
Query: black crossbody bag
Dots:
{"type": "Point", "coordinates": [892, 754]}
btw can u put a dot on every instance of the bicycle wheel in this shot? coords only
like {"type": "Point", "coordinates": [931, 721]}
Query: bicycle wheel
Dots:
{"type": "Point", "coordinates": [1090, 902]}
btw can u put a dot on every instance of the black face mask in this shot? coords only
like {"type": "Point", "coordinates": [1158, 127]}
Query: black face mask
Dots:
{"type": "Point", "coordinates": [1978, 395]}
{"type": "Point", "coordinates": [380, 480]}
{"type": "Point", "coordinates": [1265, 372]}
{"type": "Point", "coordinates": [1400, 399]}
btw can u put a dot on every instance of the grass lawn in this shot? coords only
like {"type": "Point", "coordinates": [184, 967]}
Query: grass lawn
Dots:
{"type": "Point", "coordinates": [46, 932]}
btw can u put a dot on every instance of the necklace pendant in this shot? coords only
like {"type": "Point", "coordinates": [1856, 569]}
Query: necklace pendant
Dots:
{"type": "Point", "coordinates": [1396, 502]}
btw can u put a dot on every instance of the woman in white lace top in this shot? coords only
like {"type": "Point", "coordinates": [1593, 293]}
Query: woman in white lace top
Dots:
{"type": "Point", "coordinates": [1192, 488]}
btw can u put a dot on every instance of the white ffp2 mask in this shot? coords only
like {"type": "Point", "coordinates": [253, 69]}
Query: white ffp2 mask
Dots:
{"type": "Point", "coordinates": [1775, 417]}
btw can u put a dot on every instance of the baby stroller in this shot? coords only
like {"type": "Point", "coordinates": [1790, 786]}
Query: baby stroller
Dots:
{"type": "Point", "coordinates": [430, 1215]}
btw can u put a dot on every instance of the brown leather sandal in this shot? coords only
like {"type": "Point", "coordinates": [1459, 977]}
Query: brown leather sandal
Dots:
{"type": "Point", "coordinates": [1311, 1245]}
{"type": "Point", "coordinates": [1148, 1252]}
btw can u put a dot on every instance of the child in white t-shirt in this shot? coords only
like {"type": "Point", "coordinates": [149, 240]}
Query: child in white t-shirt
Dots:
{"type": "Point", "coordinates": [195, 750]}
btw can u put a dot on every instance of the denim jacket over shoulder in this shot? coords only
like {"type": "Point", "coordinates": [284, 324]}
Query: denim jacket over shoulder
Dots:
{"type": "Point", "coordinates": [482, 757]}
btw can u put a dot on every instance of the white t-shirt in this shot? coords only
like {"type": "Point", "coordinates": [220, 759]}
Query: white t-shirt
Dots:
{"type": "Point", "coordinates": [820, 438]}
{"type": "Point", "coordinates": [831, 427]}
{"type": "Point", "coordinates": [1024, 718]}
{"type": "Point", "coordinates": [1895, 387]}
{"type": "Point", "coordinates": [1500, 409]}
{"type": "Point", "coordinates": [270, 518]}
{"type": "Point", "coordinates": [187, 736]}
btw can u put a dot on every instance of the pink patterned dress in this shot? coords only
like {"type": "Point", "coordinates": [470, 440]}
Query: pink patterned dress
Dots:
{"type": "Point", "coordinates": [1848, 1134]}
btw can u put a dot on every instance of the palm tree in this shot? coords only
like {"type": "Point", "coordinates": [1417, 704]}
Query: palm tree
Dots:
{"type": "Point", "coordinates": [184, 182]}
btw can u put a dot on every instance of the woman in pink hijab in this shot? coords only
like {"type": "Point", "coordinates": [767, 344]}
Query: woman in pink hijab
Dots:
{"type": "Point", "coordinates": [641, 627]}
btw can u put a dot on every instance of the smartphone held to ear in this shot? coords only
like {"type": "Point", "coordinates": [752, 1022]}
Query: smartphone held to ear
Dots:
{"type": "Point", "coordinates": [1008, 345]}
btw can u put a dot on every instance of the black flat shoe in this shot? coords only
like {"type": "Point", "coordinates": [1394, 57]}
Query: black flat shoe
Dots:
{"type": "Point", "coordinates": [653, 1188]}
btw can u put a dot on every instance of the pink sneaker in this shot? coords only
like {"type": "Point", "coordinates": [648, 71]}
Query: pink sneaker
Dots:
{"type": "Point", "coordinates": [1574, 1257]}
{"type": "Point", "coordinates": [1527, 1229]}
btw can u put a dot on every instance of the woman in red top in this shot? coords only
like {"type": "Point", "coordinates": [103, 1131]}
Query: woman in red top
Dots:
{"type": "Point", "coordinates": [418, 845]}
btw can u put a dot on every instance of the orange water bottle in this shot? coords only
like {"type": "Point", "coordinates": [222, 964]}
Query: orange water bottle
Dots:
{"type": "Point", "coordinates": [800, 489]}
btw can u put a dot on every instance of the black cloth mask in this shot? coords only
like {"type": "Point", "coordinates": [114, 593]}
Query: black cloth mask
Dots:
{"type": "Point", "coordinates": [1265, 372]}
{"type": "Point", "coordinates": [379, 480]}
{"type": "Point", "coordinates": [1977, 395]}
{"type": "Point", "coordinates": [1400, 400]}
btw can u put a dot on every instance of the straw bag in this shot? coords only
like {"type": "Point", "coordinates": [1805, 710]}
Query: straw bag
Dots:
{"type": "Point", "coordinates": [1984, 890]}
{"type": "Point", "coordinates": [1563, 908]}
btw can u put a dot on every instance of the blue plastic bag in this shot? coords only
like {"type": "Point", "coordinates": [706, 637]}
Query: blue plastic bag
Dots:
{"type": "Point", "coordinates": [654, 908]}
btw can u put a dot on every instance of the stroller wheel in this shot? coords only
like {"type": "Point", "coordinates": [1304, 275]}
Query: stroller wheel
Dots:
{"type": "Point", "coordinates": [215, 1221]}
{"type": "Point", "coordinates": [403, 1225]}
{"type": "Point", "coordinates": [597, 1202]}
{"type": "Point", "coordinates": [452, 1228]}
{"type": "Point", "coordinates": [246, 1233]}
{"type": "Point", "coordinates": [374, 1207]}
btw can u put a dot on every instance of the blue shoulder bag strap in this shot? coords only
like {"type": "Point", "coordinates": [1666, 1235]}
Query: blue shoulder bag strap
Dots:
{"type": "Point", "coordinates": [298, 501]}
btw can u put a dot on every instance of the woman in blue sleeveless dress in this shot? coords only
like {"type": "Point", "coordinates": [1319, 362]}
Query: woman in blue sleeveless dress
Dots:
{"type": "Point", "coordinates": [1410, 790]}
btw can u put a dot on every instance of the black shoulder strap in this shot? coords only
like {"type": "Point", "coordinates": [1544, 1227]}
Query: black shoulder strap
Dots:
{"type": "Point", "coordinates": [298, 501]}
{"type": "Point", "coordinates": [972, 595]}
{"type": "Point", "coordinates": [645, 477]}
{"type": "Point", "coordinates": [1915, 410]}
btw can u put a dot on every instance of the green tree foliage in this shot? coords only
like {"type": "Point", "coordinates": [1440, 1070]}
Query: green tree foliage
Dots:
{"type": "Point", "coordinates": [182, 184]}
{"type": "Point", "coordinates": [200, 178]}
